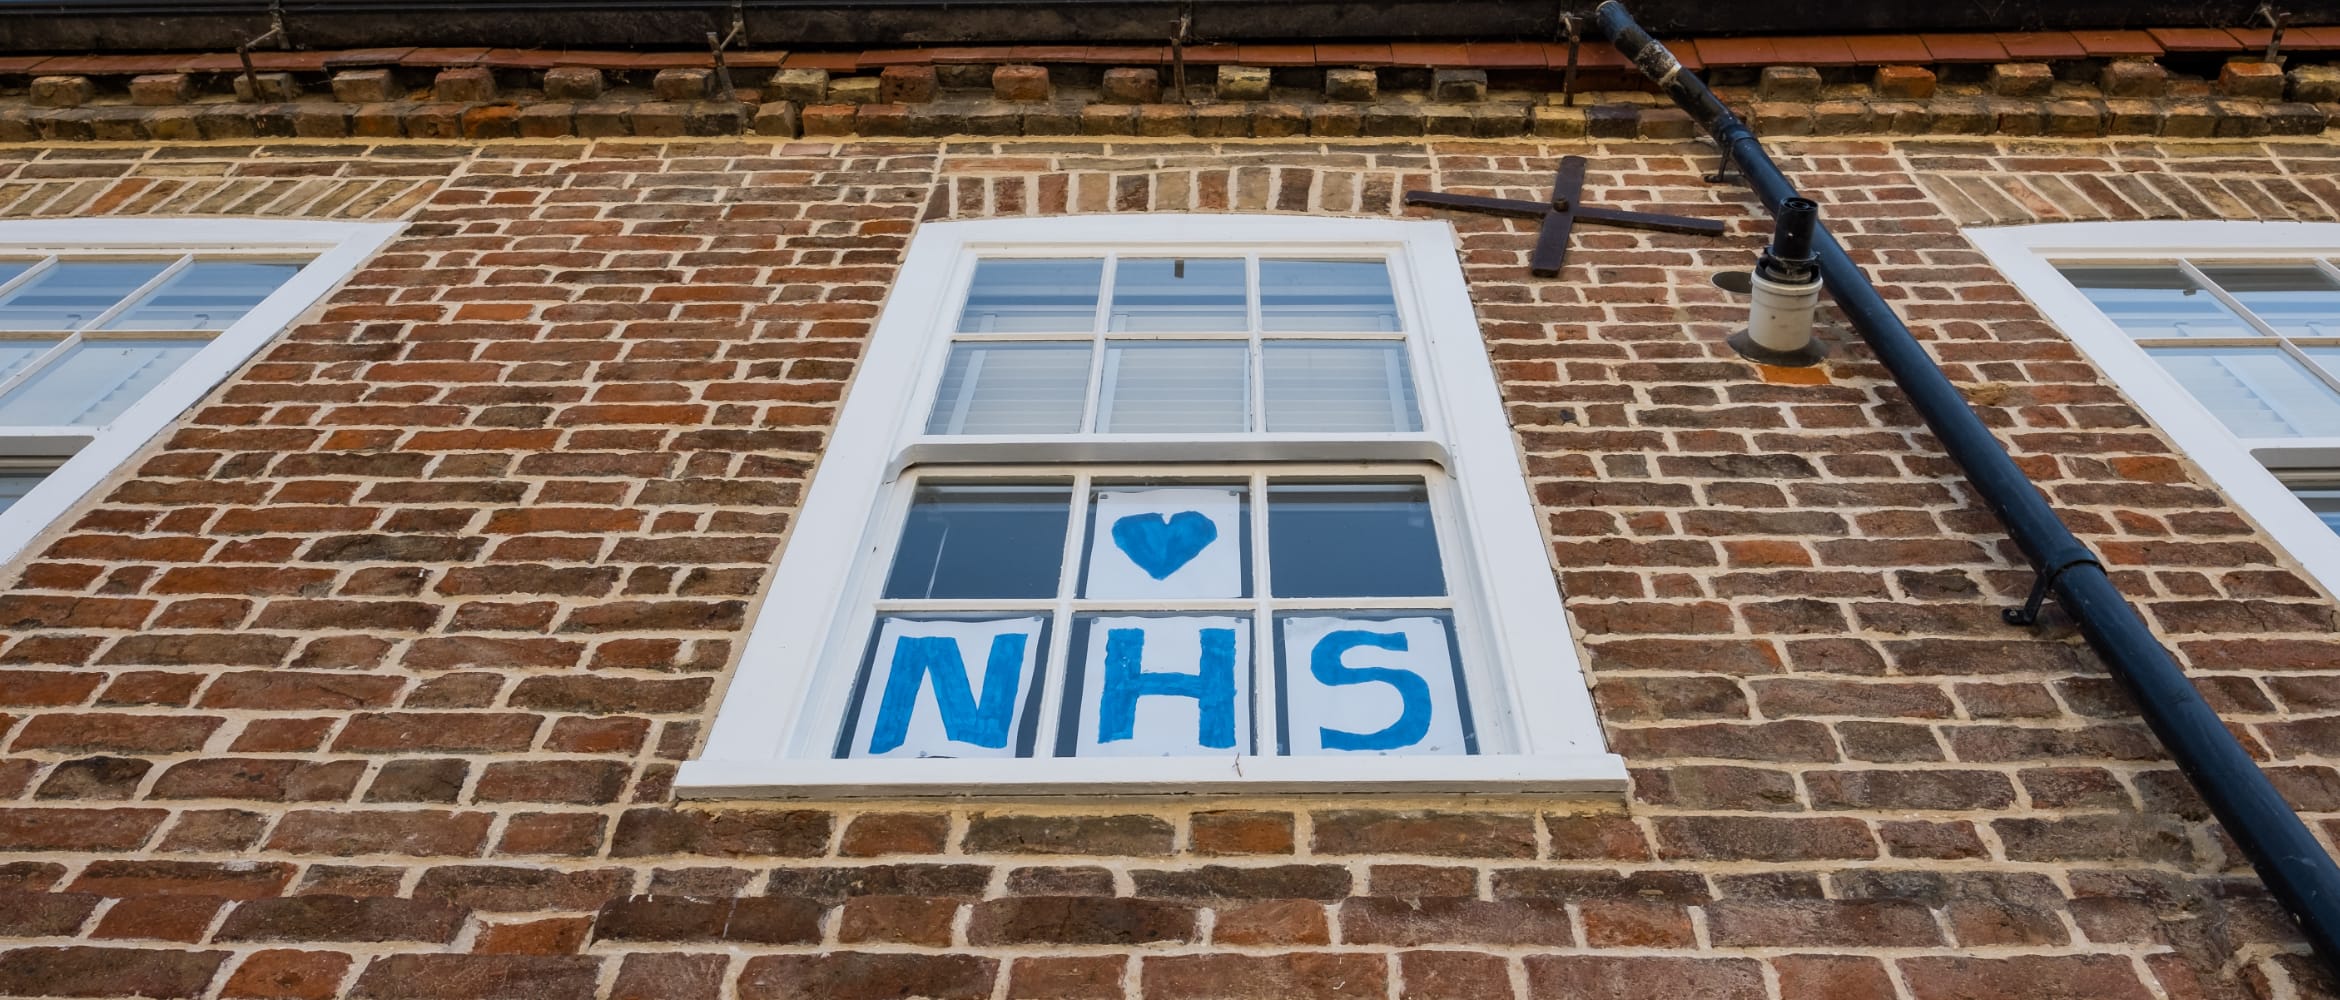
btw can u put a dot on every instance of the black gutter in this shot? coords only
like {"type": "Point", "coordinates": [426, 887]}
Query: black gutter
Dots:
{"type": "Point", "coordinates": [79, 26]}
{"type": "Point", "coordinates": [2288, 858]}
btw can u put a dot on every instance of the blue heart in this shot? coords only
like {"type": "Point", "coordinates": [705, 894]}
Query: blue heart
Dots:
{"type": "Point", "coordinates": [1160, 545]}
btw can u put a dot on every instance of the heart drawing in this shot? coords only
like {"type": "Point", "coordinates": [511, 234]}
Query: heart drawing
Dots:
{"type": "Point", "coordinates": [1161, 545]}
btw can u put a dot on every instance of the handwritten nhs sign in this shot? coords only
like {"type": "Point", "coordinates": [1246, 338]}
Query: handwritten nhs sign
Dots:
{"type": "Point", "coordinates": [1152, 685]}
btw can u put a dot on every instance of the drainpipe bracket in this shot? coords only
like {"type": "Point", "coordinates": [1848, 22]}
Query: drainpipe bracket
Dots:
{"type": "Point", "coordinates": [2028, 614]}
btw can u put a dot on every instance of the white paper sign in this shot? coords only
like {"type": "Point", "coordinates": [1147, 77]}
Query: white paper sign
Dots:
{"type": "Point", "coordinates": [947, 689]}
{"type": "Point", "coordinates": [1165, 687]}
{"type": "Point", "coordinates": [1371, 687]}
{"type": "Point", "coordinates": [1166, 544]}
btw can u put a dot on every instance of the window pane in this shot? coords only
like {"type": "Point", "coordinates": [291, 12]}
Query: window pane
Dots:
{"type": "Point", "coordinates": [1175, 388]}
{"type": "Point", "coordinates": [2297, 300]}
{"type": "Point", "coordinates": [71, 294]}
{"type": "Point", "coordinates": [2157, 302]}
{"type": "Point", "coordinates": [1334, 386]}
{"type": "Point", "coordinates": [1178, 294]}
{"type": "Point", "coordinates": [1168, 543]}
{"type": "Point", "coordinates": [14, 485]}
{"type": "Point", "coordinates": [981, 541]}
{"type": "Point", "coordinates": [1157, 686]}
{"type": "Point", "coordinates": [9, 269]}
{"type": "Point", "coordinates": [1032, 296]}
{"type": "Point", "coordinates": [1345, 295]}
{"type": "Point", "coordinates": [1352, 540]}
{"type": "Point", "coordinates": [1370, 683]}
{"type": "Point", "coordinates": [1012, 389]}
{"type": "Point", "coordinates": [2324, 503]}
{"type": "Point", "coordinates": [2256, 392]}
{"type": "Point", "coordinates": [207, 295]}
{"type": "Point", "coordinates": [94, 382]}
{"type": "Point", "coordinates": [15, 354]}
{"type": "Point", "coordinates": [947, 686]}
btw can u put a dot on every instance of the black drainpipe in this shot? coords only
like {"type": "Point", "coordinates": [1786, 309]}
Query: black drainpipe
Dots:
{"type": "Point", "coordinates": [2288, 858]}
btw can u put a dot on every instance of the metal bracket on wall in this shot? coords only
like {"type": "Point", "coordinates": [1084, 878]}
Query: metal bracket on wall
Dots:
{"type": "Point", "coordinates": [275, 32]}
{"type": "Point", "coordinates": [1722, 169]}
{"type": "Point", "coordinates": [2028, 614]}
{"type": "Point", "coordinates": [2274, 19]}
{"type": "Point", "coordinates": [1568, 77]}
{"type": "Point", "coordinates": [1178, 52]}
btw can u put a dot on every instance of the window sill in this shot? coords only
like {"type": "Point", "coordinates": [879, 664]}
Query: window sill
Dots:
{"type": "Point", "coordinates": [967, 778]}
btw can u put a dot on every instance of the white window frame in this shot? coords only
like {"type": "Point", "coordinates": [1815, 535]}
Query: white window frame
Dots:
{"type": "Point", "coordinates": [2029, 255]}
{"type": "Point", "coordinates": [334, 249]}
{"type": "Point", "coordinates": [766, 743]}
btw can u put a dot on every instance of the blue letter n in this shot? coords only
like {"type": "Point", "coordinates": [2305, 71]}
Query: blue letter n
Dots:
{"type": "Point", "coordinates": [982, 723]}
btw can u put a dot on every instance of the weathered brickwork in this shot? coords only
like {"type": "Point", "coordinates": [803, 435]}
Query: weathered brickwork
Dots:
{"type": "Point", "coordinates": [369, 678]}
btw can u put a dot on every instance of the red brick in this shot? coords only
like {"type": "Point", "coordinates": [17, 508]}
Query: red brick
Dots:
{"type": "Point", "coordinates": [476, 977]}
{"type": "Point", "coordinates": [867, 976]}
{"type": "Point", "coordinates": [283, 974]}
{"type": "Point", "coordinates": [1096, 977]}
{"type": "Point", "coordinates": [97, 972]}
{"type": "Point", "coordinates": [1295, 976]}
{"type": "Point", "coordinates": [1435, 920]}
{"type": "Point", "coordinates": [1240, 832]}
{"type": "Point", "coordinates": [34, 829]}
{"type": "Point", "coordinates": [1434, 833]}
{"type": "Point", "coordinates": [1452, 975]}
{"type": "Point", "coordinates": [419, 833]}
{"type": "Point", "coordinates": [226, 880]}
{"type": "Point", "coordinates": [877, 834]}
{"type": "Point", "coordinates": [669, 976]}
{"type": "Point", "coordinates": [1603, 978]}
{"type": "Point", "coordinates": [1080, 920]}
{"type": "Point", "coordinates": [2046, 978]}
{"type": "Point", "coordinates": [1270, 923]}
{"type": "Point", "coordinates": [343, 918]}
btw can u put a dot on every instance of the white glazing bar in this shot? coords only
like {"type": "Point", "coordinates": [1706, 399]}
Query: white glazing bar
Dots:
{"type": "Point", "coordinates": [1068, 581]}
{"type": "Point", "coordinates": [1266, 710]}
{"type": "Point", "coordinates": [2226, 299]}
{"type": "Point", "coordinates": [28, 274]}
{"type": "Point", "coordinates": [1092, 406]}
{"type": "Point", "coordinates": [140, 292]}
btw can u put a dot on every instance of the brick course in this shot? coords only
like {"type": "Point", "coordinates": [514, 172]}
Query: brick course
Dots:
{"type": "Point", "coordinates": [369, 677]}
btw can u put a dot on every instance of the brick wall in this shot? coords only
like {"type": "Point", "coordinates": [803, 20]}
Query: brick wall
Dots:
{"type": "Point", "coordinates": [370, 677]}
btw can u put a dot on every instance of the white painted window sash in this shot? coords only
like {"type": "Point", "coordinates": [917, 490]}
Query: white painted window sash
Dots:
{"type": "Point", "coordinates": [333, 250]}
{"type": "Point", "coordinates": [2243, 468]}
{"type": "Point", "coordinates": [1533, 714]}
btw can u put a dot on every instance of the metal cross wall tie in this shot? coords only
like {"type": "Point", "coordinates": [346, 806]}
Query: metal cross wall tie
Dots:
{"type": "Point", "coordinates": [1561, 215]}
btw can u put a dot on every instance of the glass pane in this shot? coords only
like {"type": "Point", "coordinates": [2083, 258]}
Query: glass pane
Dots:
{"type": "Point", "coordinates": [1352, 540]}
{"type": "Point", "coordinates": [14, 485]}
{"type": "Point", "coordinates": [1365, 682]}
{"type": "Point", "coordinates": [71, 294]}
{"type": "Point", "coordinates": [2295, 299]}
{"type": "Point", "coordinates": [2150, 302]}
{"type": "Point", "coordinates": [207, 295]}
{"type": "Point", "coordinates": [1168, 543]}
{"type": "Point", "coordinates": [1178, 294]}
{"type": "Point", "coordinates": [1157, 686]}
{"type": "Point", "coordinates": [1012, 389]}
{"type": "Point", "coordinates": [2324, 503]}
{"type": "Point", "coordinates": [1032, 296]}
{"type": "Point", "coordinates": [1335, 386]}
{"type": "Point", "coordinates": [15, 354]}
{"type": "Point", "coordinates": [2256, 392]}
{"type": "Point", "coordinates": [1175, 388]}
{"type": "Point", "coordinates": [982, 541]}
{"type": "Point", "coordinates": [947, 686]}
{"type": "Point", "coordinates": [1344, 295]}
{"type": "Point", "coordinates": [2326, 358]}
{"type": "Point", "coordinates": [94, 382]}
{"type": "Point", "coordinates": [9, 269]}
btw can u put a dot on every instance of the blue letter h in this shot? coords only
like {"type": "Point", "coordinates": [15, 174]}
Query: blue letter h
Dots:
{"type": "Point", "coordinates": [1213, 686]}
